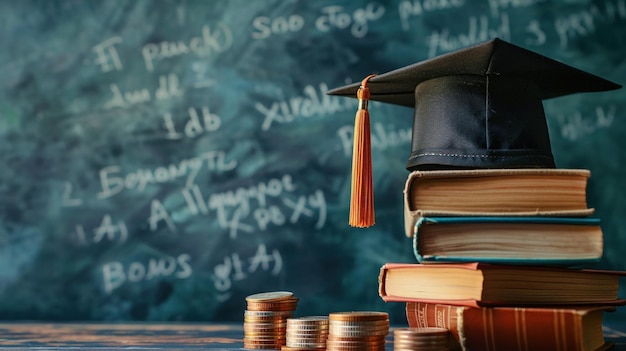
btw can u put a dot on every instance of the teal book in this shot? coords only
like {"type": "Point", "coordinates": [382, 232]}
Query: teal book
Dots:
{"type": "Point", "coordinates": [535, 240]}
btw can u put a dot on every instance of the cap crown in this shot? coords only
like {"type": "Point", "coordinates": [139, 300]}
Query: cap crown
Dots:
{"type": "Point", "coordinates": [480, 107]}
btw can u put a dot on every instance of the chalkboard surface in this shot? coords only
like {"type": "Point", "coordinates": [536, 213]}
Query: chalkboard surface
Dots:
{"type": "Point", "coordinates": [162, 160]}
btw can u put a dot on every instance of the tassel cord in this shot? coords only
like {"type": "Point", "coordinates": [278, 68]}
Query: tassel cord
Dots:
{"type": "Point", "coordinates": [362, 197]}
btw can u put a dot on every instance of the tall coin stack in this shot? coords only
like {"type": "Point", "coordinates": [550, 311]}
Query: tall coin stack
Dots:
{"type": "Point", "coordinates": [265, 319]}
{"type": "Point", "coordinates": [421, 339]}
{"type": "Point", "coordinates": [366, 331]}
{"type": "Point", "coordinates": [306, 333]}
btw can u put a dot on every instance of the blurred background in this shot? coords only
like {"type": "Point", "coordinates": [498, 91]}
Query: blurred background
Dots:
{"type": "Point", "coordinates": [162, 160]}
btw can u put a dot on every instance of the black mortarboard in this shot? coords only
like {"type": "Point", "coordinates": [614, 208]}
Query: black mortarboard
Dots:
{"type": "Point", "coordinates": [480, 107]}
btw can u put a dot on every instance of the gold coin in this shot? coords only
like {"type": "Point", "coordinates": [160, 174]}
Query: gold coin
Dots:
{"type": "Point", "coordinates": [419, 337]}
{"type": "Point", "coordinates": [264, 329]}
{"type": "Point", "coordinates": [351, 328]}
{"type": "Point", "coordinates": [422, 331]}
{"type": "Point", "coordinates": [352, 324]}
{"type": "Point", "coordinates": [253, 346]}
{"type": "Point", "coordinates": [284, 305]}
{"type": "Point", "coordinates": [289, 348]}
{"type": "Point", "coordinates": [255, 320]}
{"type": "Point", "coordinates": [358, 316]}
{"type": "Point", "coordinates": [354, 345]}
{"type": "Point", "coordinates": [306, 343]}
{"type": "Point", "coordinates": [270, 296]}
{"type": "Point", "coordinates": [314, 320]}
{"type": "Point", "coordinates": [296, 331]}
{"type": "Point", "coordinates": [309, 336]}
{"type": "Point", "coordinates": [286, 314]}
{"type": "Point", "coordinates": [366, 338]}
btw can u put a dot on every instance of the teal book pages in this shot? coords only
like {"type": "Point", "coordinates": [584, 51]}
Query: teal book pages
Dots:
{"type": "Point", "coordinates": [565, 241]}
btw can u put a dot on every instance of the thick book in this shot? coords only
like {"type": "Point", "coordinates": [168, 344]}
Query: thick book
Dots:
{"type": "Point", "coordinates": [514, 328]}
{"type": "Point", "coordinates": [568, 241]}
{"type": "Point", "coordinates": [495, 192]}
{"type": "Point", "coordinates": [482, 284]}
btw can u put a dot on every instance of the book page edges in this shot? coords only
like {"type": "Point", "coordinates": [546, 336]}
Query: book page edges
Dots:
{"type": "Point", "coordinates": [392, 298]}
{"type": "Point", "coordinates": [585, 173]}
{"type": "Point", "coordinates": [565, 262]}
{"type": "Point", "coordinates": [487, 266]}
{"type": "Point", "coordinates": [484, 303]}
{"type": "Point", "coordinates": [412, 217]}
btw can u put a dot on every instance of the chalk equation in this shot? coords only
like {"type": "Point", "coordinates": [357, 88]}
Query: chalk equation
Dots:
{"type": "Point", "coordinates": [313, 102]}
{"type": "Point", "coordinates": [497, 22]}
{"type": "Point", "coordinates": [383, 136]}
{"type": "Point", "coordinates": [253, 209]}
{"type": "Point", "coordinates": [249, 210]}
{"type": "Point", "coordinates": [212, 40]}
{"type": "Point", "coordinates": [236, 269]}
{"type": "Point", "coordinates": [117, 273]}
{"type": "Point", "coordinates": [330, 18]}
{"type": "Point", "coordinates": [233, 269]}
{"type": "Point", "coordinates": [576, 126]}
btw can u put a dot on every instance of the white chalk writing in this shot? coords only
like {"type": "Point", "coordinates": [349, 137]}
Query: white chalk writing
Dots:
{"type": "Point", "coordinates": [116, 273]}
{"type": "Point", "coordinates": [480, 29]}
{"type": "Point", "coordinates": [252, 209]}
{"type": "Point", "coordinates": [159, 213]}
{"type": "Point", "coordinates": [538, 35]}
{"type": "Point", "coordinates": [335, 17]}
{"type": "Point", "coordinates": [211, 41]}
{"type": "Point", "coordinates": [234, 268]}
{"type": "Point", "coordinates": [169, 87]}
{"type": "Point", "coordinates": [382, 138]}
{"type": "Point", "coordinates": [107, 231]}
{"type": "Point", "coordinates": [497, 5]}
{"type": "Point", "coordinates": [576, 126]}
{"type": "Point", "coordinates": [68, 200]}
{"type": "Point", "coordinates": [408, 9]}
{"type": "Point", "coordinates": [583, 23]}
{"type": "Point", "coordinates": [266, 26]}
{"type": "Point", "coordinates": [331, 18]}
{"type": "Point", "coordinates": [194, 126]}
{"type": "Point", "coordinates": [314, 102]}
{"type": "Point", "coordinates": [113, 181]}
{"type": "Point", "coordinates": [107, 56]}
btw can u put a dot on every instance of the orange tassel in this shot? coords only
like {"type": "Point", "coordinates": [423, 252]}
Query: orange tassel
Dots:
{"type": "Point", "coordinates": [362, 196]}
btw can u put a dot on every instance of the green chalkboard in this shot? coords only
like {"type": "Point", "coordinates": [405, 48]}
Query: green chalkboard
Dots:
{"type": "Point", "coordinates": [162, 160]}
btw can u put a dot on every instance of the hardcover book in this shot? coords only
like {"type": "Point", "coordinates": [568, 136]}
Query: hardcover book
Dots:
{"type": "Point", "coordinates": [495, 192]}
{"type": "Point", "coordinates": [482, 284]}
{"type": "Point", "coordinates": [514, 328]}
{"type": "Point", "coordinates": [536, 240]}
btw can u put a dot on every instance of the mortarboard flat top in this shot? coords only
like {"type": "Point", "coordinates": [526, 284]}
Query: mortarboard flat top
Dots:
{"type": "Point", "coordinates": [480, 107]}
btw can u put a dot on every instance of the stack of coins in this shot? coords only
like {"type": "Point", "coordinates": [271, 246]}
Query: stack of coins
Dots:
{"type": "Point", "coordinates": [421, 339]}
{"type": "Point", "coordinates": [306, 333]}
{"type": "Point", "coordinates": [265, 319]}
{"type": "Point", "coordinates": [357, 331]}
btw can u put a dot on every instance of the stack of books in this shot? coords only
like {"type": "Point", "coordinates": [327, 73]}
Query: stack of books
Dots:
{"type": "Point", "coordinates": [502, 260]}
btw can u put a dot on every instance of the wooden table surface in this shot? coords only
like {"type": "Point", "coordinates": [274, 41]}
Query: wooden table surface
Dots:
{"type": "Point", "coordinates": [152, 336]}
{"type": "Point", "coordinates": [120, 336]}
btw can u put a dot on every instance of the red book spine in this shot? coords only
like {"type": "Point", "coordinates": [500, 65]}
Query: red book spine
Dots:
{"type": "Point", "coordinates": [510, 329]}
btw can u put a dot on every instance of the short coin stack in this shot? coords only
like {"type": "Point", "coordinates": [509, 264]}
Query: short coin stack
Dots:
{"type": "Point", "coordinates": [364, 331]}
{"type": "Point", "coordinates": [265, 319]}
{"type": "Point", "coordinates": [306, 333]}
{"type": "Point", "coordinates": [421, 339]}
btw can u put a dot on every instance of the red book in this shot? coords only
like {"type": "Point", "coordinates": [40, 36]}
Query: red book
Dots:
{"type": "Point", "coordinates": [482, 284]}
{"type": "Point", "coordinates": [514, 328]}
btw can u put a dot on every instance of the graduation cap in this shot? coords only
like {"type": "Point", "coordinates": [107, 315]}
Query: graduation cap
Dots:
{"type": "Point", "coordinates": [478, 107]}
